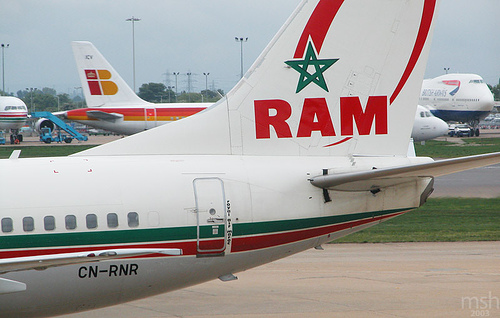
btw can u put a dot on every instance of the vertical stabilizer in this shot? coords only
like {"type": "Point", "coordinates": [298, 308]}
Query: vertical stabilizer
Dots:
{"type": "Point", "coordinates": [341, 77]}
{"type": "Point", "coordinates": [101, 83]}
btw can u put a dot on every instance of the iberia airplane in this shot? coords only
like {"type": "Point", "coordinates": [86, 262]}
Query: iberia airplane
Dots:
{"type": "Point", "coordinates": [112, 104]}
{"type": "Point", "coordinates": [309, 146]}
{"type": "Point", "coordinates": [13, 116]}
{"type": "Point", "coordinates": [458, 97]}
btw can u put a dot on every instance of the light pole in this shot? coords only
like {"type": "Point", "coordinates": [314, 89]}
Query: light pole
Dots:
{"type": "Point", "coordinates": [81, 96]}
{"type": "Point", "coordinates": [206, 85]}
{"type": "Point", "coordinates": [241, 40]}
{"type": "Point", "coordinates": [176, 74]}
{"type": "Point", "coordinates": [169, 90]}
{"type": "Point", "coordinates": [4, 46]}
{"type": "Point", "coordinates": [189, 86]}
{"type": "Point", "coordinates": [446, 69]}
{"type": "Point", "coordinates": [133, 20]}
{"type": "Point", "coordinates": [31, 90]}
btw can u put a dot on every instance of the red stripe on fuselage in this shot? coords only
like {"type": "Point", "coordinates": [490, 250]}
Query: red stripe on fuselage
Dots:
{"type": "Point", "coordinates": [14, 115]}
{"type": "Point", "coordinates": [243, 244]}
{"type": "Point", "coordinates": [134, 113]}
{"type": "Point", "coordinates": [239, 244]}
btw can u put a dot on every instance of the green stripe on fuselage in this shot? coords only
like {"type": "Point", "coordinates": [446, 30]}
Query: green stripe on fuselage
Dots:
{"type": "Point", "coordinates": [111, 237]}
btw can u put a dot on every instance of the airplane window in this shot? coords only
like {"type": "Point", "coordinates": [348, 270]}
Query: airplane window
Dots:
{"type": "Point", "coordinates": [70, 221]}
{"type": "Point", "coordinates": [91, 221]}
{"type": "Point", "coordinates": [49, 223]}
{"type": "Point", "coordinates": [422, 114]}
{"type": "Point", "coordinates": [7, 225]}
{"type": "Point", "coordinates": [28, 224]}
{"type": "Point", "coordinates": [112, 220]}
{"type": "Point", "coordinates": [133, 219]}
{"type": "Point", "coordinates": [8, 107]}
{"type": "Point", "coordinates": [427, 114]}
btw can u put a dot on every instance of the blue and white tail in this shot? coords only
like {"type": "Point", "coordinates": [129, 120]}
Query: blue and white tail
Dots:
{"type": "Point", "coordinates": [101, 83]}
{"type": "Point", "coordinates": [341, 77]}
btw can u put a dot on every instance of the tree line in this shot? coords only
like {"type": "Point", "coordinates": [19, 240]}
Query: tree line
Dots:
{"type": "Point", "coordinates": [159, 93]}
{"type": "Point", "coordinates": [47, 99]}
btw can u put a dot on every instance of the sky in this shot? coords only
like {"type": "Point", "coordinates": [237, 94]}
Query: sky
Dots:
{"type": "Point", "coordinates": [197, 36]}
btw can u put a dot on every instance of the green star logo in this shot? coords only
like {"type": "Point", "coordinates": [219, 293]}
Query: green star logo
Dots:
{"type": "Point", "coordinates": [302, 66]}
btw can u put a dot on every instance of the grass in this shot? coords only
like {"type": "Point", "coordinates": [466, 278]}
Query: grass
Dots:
{"type": "Point", "coordinates": [44, 151]}
{"type": "Point", "coordinates": [447, 149]}
{"type": "Point", "coordinates": [439, 220]}
{"type": "Point", "coordinates": [432, 148]}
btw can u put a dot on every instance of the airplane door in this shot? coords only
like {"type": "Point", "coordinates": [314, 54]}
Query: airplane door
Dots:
{"type": "Point", "coordinates": [150, 117]}
{"type": "Point", "coordinates": [211, 215]}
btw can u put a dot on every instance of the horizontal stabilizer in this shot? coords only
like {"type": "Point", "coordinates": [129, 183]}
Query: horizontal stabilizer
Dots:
{"type": "Point", "coordinates": [44, 261]}
{"type": "Point", "coordinates": [430, 169]}
{"type": "Point", "coordinates": [97, 114]}
{"type": "Point", "coordinates": [8, 286]}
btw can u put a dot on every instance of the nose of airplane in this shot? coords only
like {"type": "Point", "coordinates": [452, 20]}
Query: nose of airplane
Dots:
{"type": "Point", "coordinates": [440, 126]}
{"type": "Point", "coordinates": [486, 102]}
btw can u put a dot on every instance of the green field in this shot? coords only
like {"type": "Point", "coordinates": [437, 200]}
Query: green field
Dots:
{"type": "Point", "coordinates": [43, 151]}
{"type": "Point", "coordinates": [439, 220]}
{"type": "Point", "coordinates": [447, 149]}
{"type": "Point", "coordinates": [432, 148]}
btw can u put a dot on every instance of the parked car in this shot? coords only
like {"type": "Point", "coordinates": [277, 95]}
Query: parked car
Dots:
{"type": "Point", "coordinates": [461, 130]}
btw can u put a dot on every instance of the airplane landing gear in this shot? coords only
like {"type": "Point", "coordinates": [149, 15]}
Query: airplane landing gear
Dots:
{"type": "Point", "coordinates": [475, 128]}
{"type": "Point", "coordinates": [15, 138]}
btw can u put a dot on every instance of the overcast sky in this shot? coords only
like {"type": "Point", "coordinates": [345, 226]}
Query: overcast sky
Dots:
{"type": "Point", "coordinates": [198, 36]}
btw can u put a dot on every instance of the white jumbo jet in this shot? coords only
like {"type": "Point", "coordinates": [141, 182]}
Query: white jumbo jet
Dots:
{"type": "Point", "coordinates": [13, 116]}
{"type": "Point", "coordinates": [112, 104]}
{"type": "Point", "coordinates": [427, 126]}
{"type": "Point", "coordinates": [308, 147]}
{"type": "Point", "coordinates": [458, 97]}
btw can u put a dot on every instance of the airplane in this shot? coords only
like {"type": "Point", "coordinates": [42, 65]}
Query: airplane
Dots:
{"type": "Point", "coordinates": [13, 116]}
{"type": "Point", "coordinates": [112, 104]}
{"type": "Point", "coordinates": [427, 126]}
{"type": "Point", "coordinates": [458, 97]}
{"type": "Point", "coordinates": [309, 146]}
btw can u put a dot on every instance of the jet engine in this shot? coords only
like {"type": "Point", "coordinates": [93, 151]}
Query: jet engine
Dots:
{"type": "Point", "coordinates": [44, 123]}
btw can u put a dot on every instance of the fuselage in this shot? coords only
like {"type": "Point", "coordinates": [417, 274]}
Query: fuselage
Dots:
{"type": "Point", "coordinates": [130, 120]}
{"type": "Point", "coordinates": [13, 113]}
{"type": "Point", "coordinates": [457, 97]}
{"type": "Point", "coordinates": [427, 126]}
{"type": "Point", "coordinates": [226, 214]}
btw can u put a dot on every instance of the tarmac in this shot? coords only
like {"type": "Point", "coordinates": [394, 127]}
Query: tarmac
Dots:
{"type": "Point", "coordinates": [344, 280]}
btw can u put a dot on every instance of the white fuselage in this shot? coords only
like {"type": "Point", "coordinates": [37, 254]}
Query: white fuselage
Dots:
{"type": "Point", "coordinates": [427, 126]}
{"type": "Point", "coordinates": [131, 119]}
{"type": "Point", "coordinates": [13, 113]}
{"type": "Point", "coordinates": [457, 97]}
{"type": "Point", "coordinates": [226, 214]}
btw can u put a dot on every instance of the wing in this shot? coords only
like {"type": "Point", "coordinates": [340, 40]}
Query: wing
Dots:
{"type": "Point", "coordinates": [97, 114]}
{"type": "Point", "coordinates": [45, 261]}
{"type": "Point", "coordinates": [366, 180]}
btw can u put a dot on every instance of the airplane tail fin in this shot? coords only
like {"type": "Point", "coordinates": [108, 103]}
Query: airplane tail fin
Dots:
{"type": "Point", "coordinates": [341, 77]}
{"type": "Point", "coordinates": [101, 83]}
